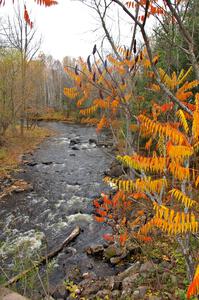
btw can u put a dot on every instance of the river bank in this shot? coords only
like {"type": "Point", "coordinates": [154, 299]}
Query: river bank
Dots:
{"type": "Point", "coordinates": [13, 146]}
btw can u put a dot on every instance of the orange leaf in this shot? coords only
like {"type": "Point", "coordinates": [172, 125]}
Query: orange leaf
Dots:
{"type": "Point", "coordinates": [148, 144]}
{"type": "Point", "coordinates": [101, 212]}
{"type": "Point", "coordinates": [99, 219]}
{"type": "Point", "coordinates": [46, 2]}
{"type": "Point", "coordinates": [123, 238]}
{"type": "Point", "coordinates": [106, 199]}
{"type": "Point", "coordinates": [193, 288]}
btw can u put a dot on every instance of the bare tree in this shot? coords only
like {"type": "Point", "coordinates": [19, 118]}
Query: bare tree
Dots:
{"type": "Point", "coordinates": [17, 34]}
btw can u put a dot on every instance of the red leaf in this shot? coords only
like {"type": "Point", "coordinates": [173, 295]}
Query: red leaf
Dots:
{"type": "Point", "coordinates": [167, 106]}
{"type": "Point", "coordinates": [96, 203]}
{"type": "Point", "coordinates": [108, 237]}
{"type": "Point", "coordinates": [107, 201]}
{"type": "Point", "coordinates": [27, 18]}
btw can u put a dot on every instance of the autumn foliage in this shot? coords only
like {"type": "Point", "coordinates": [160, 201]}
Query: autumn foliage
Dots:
{"type": "Point", "coordinates": [116, 212]}
{"type": "Point", "coordinates": [166, 174]}
{"type": "Point", "coordinates": [160, 142]}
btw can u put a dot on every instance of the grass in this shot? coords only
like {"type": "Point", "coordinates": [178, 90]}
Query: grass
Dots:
{"type": "Point", "coordinates": [52, 115]}
{"type": "Point", "coordinates": [62, 116]}
{"type": "Point", "coordinates": [15, 146]}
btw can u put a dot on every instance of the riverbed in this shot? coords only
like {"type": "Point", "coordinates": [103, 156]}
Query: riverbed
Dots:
{"type": "Point", "coordinates": [66, 173]}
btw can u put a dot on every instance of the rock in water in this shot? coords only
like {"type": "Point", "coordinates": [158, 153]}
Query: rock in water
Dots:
{"type": "Point", "coordinates": [116, 170]}
{"type": "Point", "coordinates": [74, 148]}
{"type": "Point", "coordinates": [74, 141]}
{"type": "Point", "coordinates": [96, 250]}
{"type": "Point", "coordinates": [92, 141]}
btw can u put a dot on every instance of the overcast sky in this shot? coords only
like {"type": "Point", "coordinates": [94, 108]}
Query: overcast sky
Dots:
{"type": "Point", "coordinates": [66, 28]}
{"type": "Point", "coordinates": [69, 28]}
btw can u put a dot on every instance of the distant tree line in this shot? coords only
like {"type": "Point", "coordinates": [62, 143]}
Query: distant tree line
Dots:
{"type": "Point", "coordinates": [30, 81]}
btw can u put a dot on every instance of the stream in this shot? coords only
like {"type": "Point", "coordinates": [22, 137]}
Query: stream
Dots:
{"type": "Point", "coordinates": [66, 176]}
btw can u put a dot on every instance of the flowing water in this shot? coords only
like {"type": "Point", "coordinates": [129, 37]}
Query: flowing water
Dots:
{"type": "Point", "coordinates": [65, 181]}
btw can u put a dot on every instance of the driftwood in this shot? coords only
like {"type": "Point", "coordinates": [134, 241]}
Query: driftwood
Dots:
{"type": "Point", "coordinates": [44, 259]}
{"type": "Point", "coordinates": [17, 186]}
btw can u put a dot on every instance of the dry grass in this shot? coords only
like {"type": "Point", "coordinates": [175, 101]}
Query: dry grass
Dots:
{"type": "Point", "coordinates": [15, 146]}
{"type": "Point", "coordinates": [51, 115]}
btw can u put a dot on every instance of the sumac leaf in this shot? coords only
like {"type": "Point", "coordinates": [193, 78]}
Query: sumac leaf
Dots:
{"type": "Point", "coordinates": [105, 64]}
{"type": "Point", "coordinates": [155, 61]}
{"type": "Point", "coordinates": [99, 70]}
{"type": "Point", "coordinates": [108, 237]}
{"type": "Point", "coordinates": [76, 70]}
{"type": "Point", "coordinates": [102, 213]}
{"type": "Point", "coordinates": [101, 95]}
{"type": "Point", "coordinates": [94, 49]}
{"type": "Point", "coordinates": [123, 238]}
{"type": "Point", "coordinates": [99, 219]}
{"type": "Point", "coordinates": [96, 203]}
{"type": "Point", "coordinates": [134, 46]}
{"type": "Point", "coordinates": [127, 54]}
{"type": "Point", "coordinates": [27, 18]}
{"type": "Point", "coordinates": [94, 77]}
{"type": "Point", "coordinates": [89, 64]}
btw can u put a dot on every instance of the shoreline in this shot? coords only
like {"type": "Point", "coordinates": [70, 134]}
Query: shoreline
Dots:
{"type": "Point", "coordinates": [15, 146]}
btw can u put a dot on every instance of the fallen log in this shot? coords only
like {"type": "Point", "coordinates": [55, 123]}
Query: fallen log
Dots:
{"type": "Point", "coordinates": [43, 260]}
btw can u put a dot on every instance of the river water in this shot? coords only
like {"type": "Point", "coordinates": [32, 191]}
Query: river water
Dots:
{"type": "Point", "coordinates": [65, 181]}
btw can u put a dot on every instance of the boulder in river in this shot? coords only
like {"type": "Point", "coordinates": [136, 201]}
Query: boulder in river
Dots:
{"type": "Point", "coordinates": [92, 141]}
{"type": "Point", "coordinates": [72, 154]}
{"type": "Point", "coordinates": [74, 148]}
{"type": "Point", "coordinates": [116, 169]}
{"type": "Point", "coordinates": [47, 163]}
{"type": "Point", "coordinates": [74, 141]}
{"type": "Point", "coordinates": [130, 271]}
{"type": "Point", "coordinates": [112, 251]}
{"type": "Point", "coordinates": [95, 250]}
{"type": "Point", "coordinates": [115, 260]}
{"type": "Point", "coordinates": [30, 163]}
{"type": "Point", "coordinates": [91, 287]}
